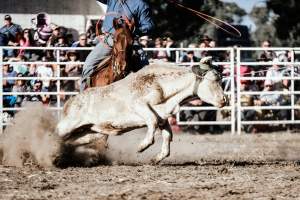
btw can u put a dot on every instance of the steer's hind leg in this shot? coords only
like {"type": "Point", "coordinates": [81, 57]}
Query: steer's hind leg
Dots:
{"type": "Point", "coordinates": [167, 138]}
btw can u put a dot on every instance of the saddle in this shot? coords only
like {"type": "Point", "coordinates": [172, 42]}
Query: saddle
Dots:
{"type": "Point", "coordinates": [102, 65]}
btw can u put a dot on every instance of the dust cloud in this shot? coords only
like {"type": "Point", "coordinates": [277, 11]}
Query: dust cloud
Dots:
{"type": "Point", "coordinates": [31, 139]}
{"type": "Point", "coordinates": [31, 136]}
{"type": "Point", "coordinates": [206, 149]}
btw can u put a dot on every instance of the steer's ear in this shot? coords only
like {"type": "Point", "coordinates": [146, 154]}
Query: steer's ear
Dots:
{"type": "Point", "coordinates": [199, 70]}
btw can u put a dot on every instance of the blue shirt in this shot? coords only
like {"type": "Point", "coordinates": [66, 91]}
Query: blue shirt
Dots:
{"type": "Point", "coordinates": [11, 31]}
{"type": "Point", "coordinates": [137, 9]}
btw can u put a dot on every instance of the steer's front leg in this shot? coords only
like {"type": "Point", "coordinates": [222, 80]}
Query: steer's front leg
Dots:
{"type": "Point", "coordinates": [146, 112]}
{"type": "Point", "coordinates": [165, 149]}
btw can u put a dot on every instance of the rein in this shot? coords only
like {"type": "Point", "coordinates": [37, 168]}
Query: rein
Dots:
{"type": "Point", "coordinates": [213, 20]}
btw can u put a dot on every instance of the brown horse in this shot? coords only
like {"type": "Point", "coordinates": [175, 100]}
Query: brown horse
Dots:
{"type": "Point", "coordinates": [117, 65]}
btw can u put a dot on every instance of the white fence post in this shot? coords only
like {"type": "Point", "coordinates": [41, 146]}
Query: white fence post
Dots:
{"type": "Point", "coordinates": [238, 90]}
{"type": "Point", "coordinates": [58, 82]}
{"type": "Point", "coordinates": [232, 90]}
{"type": "Point", "coordinates": [292, 86]}
{"type": "Point", "coordinates": [1, 90]}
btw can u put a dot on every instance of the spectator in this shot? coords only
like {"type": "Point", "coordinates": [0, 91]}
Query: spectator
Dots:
{"type": "Point", "coordinates": [26, 40]}
{"type": "Point", "coordinates": [54, 36]}
{"type": "Point", "coordinates": [266, 55]}
{"type": "Point", "coordinates": [93, 28]}
{"type": "Point", "coordinates": [82, 42]}
{"type": "Point", "coordinates": [248, 100]}
{"type": "Point", "coordinates": [160, 54]}
{"type": "Point", "coordinates": [189, 57]}
{"type": "Point", "coordinates": [144, 42]}
{"type": "Point", "coordinates": [45, 71]}
{"type": "Point", "coordinates": [168, 42]}
{"type": "Point", "coordinates": [8, 100]}
{"type": "Point", "coordinates": [38, 87]}
{"type": "Point", "coordinates": [19, 87]}
{"type": "Point", "coordinates": [199, 115]}
{"type": "Point", "coordinates": [72, 70]}
{"type": "Point", "coordinates": [204, 43]}
{"type": "Point", "coordinates": [274, 74]}
{"type": "Point", "coordinates": [61, 43]}
{"type": "Point", "coordinates": [19, 68]}
{"type": "Point", "coordinates": [43, 29]}
{"type": "Point", "coordinates": [271, 100]}
{"type": "Point", "coordinates": [8, 71]}
{"type": "Point", "coordinates": [11, 33]}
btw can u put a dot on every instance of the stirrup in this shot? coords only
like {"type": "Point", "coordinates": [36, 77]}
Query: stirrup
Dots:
{"type": "Point", "coordinates": [88, 82]}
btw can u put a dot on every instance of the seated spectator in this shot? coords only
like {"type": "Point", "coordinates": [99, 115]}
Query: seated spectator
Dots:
{"type": "Point", "coordinates": [204, 43]}
{"type": "Point", "coordinates": [266, 55]}
{"type": "Point", "coordinates": [11, 33]}
{"type": "Point", "coordinates": [26, 40]}
{"type": "Point", "coordinates": [54, 36]}
{"type": "Point", "coordinates": [248, 100]}
{"type": "Point", "coordinates": [20, 86]}
{"type": "Point", "coordinates": [61, 43]}
{"type": "Point", "coordinates": [19, 68]}
{"type": "Point", "coordinates": [144, 41]}
{"type": "Point", "coordinates": [271, 100]}
{"type": "Point", "coordinates": [8, 71]}
{"type": "Point", "coordinates": [168, 42]}
{"type": "Point", "coordinates": [8, 100]}
{"type": "Point", "coordinates": [160, 54]}
{"type": "Point", "coordinates": [82, 42]}
{"type": "Point", "coordinates": [189, 57]}
{"type": "Point", "coordinates": [72, 70]}
{"type": "Point", "coordinates": [199, 115]}
{"type": "Point", "coordinates": [45, 70]}
{"type": "Point", "coordinates": [94, 32]}
{"type": "Point", "coordinates": [274, 74]}
{"type": "Point", "coordinates": [43, 29]}
{"type": "Point", "coordinates": [38, 87]}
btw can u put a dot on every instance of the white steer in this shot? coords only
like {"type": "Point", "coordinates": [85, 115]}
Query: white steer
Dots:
{"type": "Point", "coordinates": [145, 98]}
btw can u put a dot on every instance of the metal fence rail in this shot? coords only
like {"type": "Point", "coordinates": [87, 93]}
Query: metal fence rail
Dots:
{"type": "Point", "coordinates": [240, 108]}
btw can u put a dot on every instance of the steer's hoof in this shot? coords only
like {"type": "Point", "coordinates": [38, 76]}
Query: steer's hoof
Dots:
{"type": "Point", "coordinates": [155, 161]}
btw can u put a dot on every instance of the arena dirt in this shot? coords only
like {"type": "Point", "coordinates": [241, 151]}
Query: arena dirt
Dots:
{"type": "Point", "coordinates": [262, 166]}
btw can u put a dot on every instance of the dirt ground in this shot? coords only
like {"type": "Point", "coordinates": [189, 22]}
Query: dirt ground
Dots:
{"type": "Point", "coordinates": [264, 166]}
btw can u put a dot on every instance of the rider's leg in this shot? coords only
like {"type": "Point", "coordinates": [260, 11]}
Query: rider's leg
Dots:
{"type": "Point", "coordinates": [100, 51]}
{"type": "Point", "coordinates": [142, 55]}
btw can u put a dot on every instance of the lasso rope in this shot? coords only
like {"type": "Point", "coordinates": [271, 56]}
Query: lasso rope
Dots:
{"type": "Point", "coordinates": [213, 20]}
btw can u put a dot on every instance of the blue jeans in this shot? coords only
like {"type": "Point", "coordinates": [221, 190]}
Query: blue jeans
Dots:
{"type": "Point", "coordinates": [100, 51]}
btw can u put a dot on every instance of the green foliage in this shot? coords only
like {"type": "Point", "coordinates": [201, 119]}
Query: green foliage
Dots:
{"type": "Point", "coordinates": [265, 29]}
{"type": "Point", "coordinates": [287, 23]}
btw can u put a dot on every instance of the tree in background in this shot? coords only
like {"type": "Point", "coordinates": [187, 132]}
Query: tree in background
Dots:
{"type": "Point", "coordinates": [287, 23]}
{"type": "Point", "coordinates": [265, 29]}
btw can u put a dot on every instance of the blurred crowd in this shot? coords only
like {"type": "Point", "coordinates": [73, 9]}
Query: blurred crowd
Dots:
{"type": "Point", "coordinates": [46, 34]}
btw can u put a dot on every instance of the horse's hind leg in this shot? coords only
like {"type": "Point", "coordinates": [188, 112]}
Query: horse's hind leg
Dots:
{"type": "Point", "coordinates": [167, 138]}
